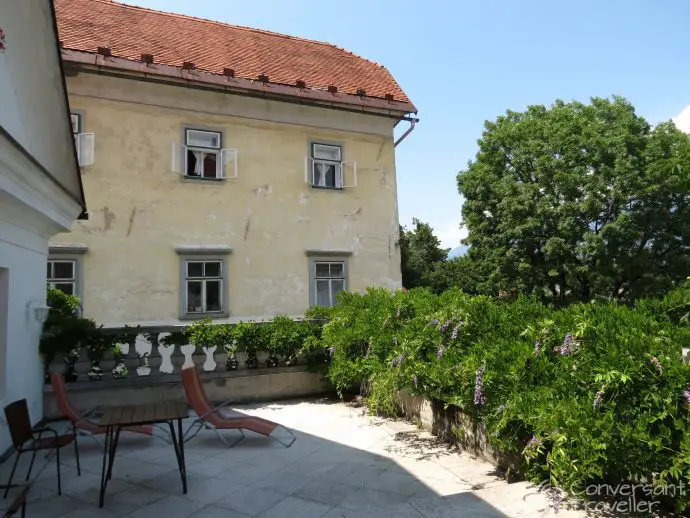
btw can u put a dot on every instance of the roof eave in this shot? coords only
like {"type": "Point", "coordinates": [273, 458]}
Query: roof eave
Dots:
{"type": "Point", "coordinates": [373, 105]}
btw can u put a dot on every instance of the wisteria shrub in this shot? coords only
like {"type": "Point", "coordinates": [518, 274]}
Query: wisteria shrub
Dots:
{"type": "Point", "coordinates": [587, 394]}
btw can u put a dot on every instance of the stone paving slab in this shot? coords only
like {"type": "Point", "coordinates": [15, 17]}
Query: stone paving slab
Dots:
{"type": "Point", "coordinates": [344, 464]}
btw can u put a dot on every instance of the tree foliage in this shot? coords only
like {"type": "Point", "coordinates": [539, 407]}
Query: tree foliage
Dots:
{"type": "Point", "coordinates": [421, 253]}
{"type": "Point", "coordinates": [579, 201]}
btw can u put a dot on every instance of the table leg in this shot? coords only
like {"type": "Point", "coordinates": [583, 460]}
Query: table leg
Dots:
{"type": "Point", "coordinates": [179, 453]}
{"type": "Point", "coordinates": [103, 469]}
{"type": "Point", "coordinates": [113, 450]}
{"type": "Point", "coordinates": [182, 464]}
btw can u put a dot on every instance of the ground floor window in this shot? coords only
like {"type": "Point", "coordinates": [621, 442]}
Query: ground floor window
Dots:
{"type": "Point", "coordinates": [62, 275]}
{"type": "Point", "coordinates": [327, 278]}
{"type": "Point", "coordinates": [203, 282]}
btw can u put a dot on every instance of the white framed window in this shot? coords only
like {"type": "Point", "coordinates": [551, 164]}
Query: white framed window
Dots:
{"type": "Point", "coordinates": [62, 275]}
{"type": "Point", "coordinates": [203, 286]}
{"type": "Point", "coordinates": [84, 142]}
{"type": "Point", "coordinates": [325, 167]}
{"type": "Point", "coordinates": [203, 157]}
{"type": "Point", "coordinates": [328, 277]}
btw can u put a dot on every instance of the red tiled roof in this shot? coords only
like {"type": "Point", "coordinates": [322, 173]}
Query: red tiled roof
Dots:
{"type": "Point", "coordinates": [130, 31]}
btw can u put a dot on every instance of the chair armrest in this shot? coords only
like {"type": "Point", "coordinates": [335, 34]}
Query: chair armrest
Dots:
{"type": "Point", "coordinates": [44, 429]}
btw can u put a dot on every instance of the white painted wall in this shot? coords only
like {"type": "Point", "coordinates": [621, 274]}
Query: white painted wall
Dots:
{"type": "Point", "coordinates": [32, 104]}
{"type": "Point", "coordinates": [33, 206]}
{"type": "Point", "coordinates": [22, 272]}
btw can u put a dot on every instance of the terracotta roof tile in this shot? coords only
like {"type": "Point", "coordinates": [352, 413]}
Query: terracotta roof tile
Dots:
{"type": "Point", "coordinates": [173, 39]}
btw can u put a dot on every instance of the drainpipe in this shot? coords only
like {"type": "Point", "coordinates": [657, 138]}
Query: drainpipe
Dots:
{"type": "Point", "coordinates": [407, 131]}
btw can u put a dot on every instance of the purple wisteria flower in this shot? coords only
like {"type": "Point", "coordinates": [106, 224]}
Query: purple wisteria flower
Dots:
{"type": "Point", "coordinates": [537, 348]}
{"type": "Point", "coordinates": [598, 399]}
{"type": "Point", "coordinates": [454, 334]}
{"type": "Point", "coordinates": [479, 398]}
{"type": "Point", "coordinates": [655, 361]}
{"type": "Point", "coordinates": [565, 347]}
{"type": "Point", "coordinates": [533, 444]}
{"type": "Point", "coordinates": [415, 381]}
{"type": "Point", "coordinates": [445, 326]}
{"type": "Point", "coordinates": [686, 395]}
{"type": "Point", "coordinates": [439, 352]}
{"type": "Point", "coordinates": [434, 322]}
{"type": "Point", "coordinates": [398, 360]}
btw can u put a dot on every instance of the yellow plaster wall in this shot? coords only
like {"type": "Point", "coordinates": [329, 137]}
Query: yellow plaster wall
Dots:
{"type": "Point", "coordinates": [140, 211]}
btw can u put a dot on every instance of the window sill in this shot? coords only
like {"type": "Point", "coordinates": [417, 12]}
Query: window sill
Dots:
{"type": "Point", "coordinates": [199, 316]}
{"type": "Point", "coordinates": [189, 178]}
{"type": "Point", "coordinates": [325, 188]}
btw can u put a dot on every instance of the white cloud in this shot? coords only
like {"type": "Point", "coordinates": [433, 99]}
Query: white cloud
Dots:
{"type": "Point", "coordinates": [451, 235]}
{"type": "Point", "coordinates": [682, 120]}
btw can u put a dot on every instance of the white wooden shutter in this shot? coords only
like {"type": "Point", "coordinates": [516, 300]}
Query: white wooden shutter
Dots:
{"type": "Point", "coordinates": [85, 148]}
{"type": "Point", "coordinates": [309, 170]}
{"type": "Point", "coordinates": [179, 153]}
{"type": "Point", "coordinates": [349, 175]}
{"type": "Point", "coordinates": [228, 163]}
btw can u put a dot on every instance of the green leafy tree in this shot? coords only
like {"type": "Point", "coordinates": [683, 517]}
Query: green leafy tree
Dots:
{"type": "Point", "coordinates": [421, 254]}
{"type": "Point", "coordinates": [579, 201]}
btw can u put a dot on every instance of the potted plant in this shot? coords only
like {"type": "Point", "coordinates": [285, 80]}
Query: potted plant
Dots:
{"type": "Point", "coordinates": [285, 338]}
{"type": "Point", "coordinates": [204, 335]}
{"type": "Point", "coordinates": [98, 344]}
{"type": "Point", "coordinates": [247, 335]}
{"type": "Point", "coordinates": [64, 331]}
{"type": "Point", "coordinates": [120, 370]}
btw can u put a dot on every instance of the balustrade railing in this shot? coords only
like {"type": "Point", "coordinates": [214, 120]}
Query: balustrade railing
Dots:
{"type": "Point", "coordinates": [144, 354]}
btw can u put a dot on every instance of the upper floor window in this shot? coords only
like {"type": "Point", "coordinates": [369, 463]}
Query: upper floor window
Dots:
{"type": "Point", "coordinates": [84, 142]}
{"type": "Point", "coordinates": [202, 156]}
{"type": "Point", "coordinates": [62, 275]}
{"type": "Point", "coordinates": [326, 168]}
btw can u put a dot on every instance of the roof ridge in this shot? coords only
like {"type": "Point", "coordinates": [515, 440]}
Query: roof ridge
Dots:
{"type": "Point", "coordinates": [241, 27]}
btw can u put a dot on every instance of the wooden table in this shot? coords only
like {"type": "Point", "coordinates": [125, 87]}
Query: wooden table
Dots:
{"type": "Point", "coordinates": [114, 419]}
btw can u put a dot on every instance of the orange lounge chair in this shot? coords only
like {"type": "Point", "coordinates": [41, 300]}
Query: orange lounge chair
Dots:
{"type": "Point", "coordinates": [213, 418]}
{"type": "Point", "coordinates": [80, 421]}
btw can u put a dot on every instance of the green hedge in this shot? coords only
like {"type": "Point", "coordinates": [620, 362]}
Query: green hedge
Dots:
{"type": "Point", "coordinates": [590, 393]}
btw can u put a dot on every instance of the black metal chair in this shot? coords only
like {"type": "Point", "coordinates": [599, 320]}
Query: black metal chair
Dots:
{"type": "Point", "coordinates": [25, 439]}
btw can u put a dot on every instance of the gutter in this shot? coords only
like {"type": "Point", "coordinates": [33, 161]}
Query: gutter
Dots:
{"type": "Point", "coordinates": [407, 131]}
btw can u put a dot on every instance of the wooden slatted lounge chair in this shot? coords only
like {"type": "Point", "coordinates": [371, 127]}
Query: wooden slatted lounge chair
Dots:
{"type": "Point", "coordinates": [212, 417]}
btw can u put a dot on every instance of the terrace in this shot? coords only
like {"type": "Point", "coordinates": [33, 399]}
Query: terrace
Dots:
{"type": "Point", "coordinates": [343, 464]}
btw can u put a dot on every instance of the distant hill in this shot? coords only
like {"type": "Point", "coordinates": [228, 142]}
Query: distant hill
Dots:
{"type": "Point", "coordinates": [458, 251]}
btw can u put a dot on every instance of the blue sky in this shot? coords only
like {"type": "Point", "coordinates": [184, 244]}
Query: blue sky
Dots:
{"type": "Point", "coordinates": [462, 62]}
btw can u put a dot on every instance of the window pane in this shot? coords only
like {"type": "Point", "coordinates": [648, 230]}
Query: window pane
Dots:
{"type": "Point", "coordinates": [74, 118]}
{"type": "Point", "coordinates": [198, 138]}
{"type": "Point", "coordinates": [213, 299]}
{"type": "Point", "coordinates": [336, 269]}
{"type": "Point", "coordinates": [65, 287]}
{"type": "Point", "coordinates": [331, 176]}
{"type": "Point", "coordinates": [49, 274]}
{"type": "Point", "coordinates": [323, 293]}
{"type": "Point", "coordinates": [195, 269]}
{"type": "Point", "coordinates": [194, 158]}
{"type": "Point", "coordinates": [327, 152]}
{"type": "Point", "coordinates": [337, 285]}
{"type": "Point", "coordinates": [194, 297]}
{"type": "Point", "coordinates": [63, 270]}
{"type": "Point", "coordinates": [322, 269]}
{"type": "Point", "coordinates": [212, 269]}
{"type": "Point", "coordinates": [210, 165]}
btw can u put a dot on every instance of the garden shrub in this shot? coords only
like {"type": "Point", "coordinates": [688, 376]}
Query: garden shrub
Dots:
{"type": "Point", "coordinates": [592, 393]}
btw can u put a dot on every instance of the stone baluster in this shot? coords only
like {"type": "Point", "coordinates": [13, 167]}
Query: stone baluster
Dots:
{"type": "Point", "coordinates": [166, 352]}
{"type": "Point", "coordinates": [143, 348]}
